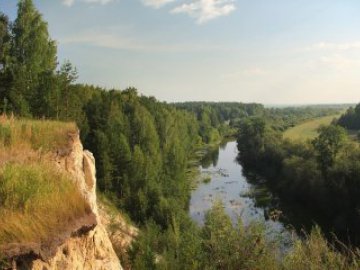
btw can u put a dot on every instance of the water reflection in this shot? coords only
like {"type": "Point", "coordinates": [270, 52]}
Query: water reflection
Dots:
{"type": "Point", "coordinates": [242, 194]}
{"type": "Point", "coordinates": [211, 158]}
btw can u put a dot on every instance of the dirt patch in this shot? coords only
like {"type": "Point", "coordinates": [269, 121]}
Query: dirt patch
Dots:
{"type": "Point", "coordinates": [47, 249]}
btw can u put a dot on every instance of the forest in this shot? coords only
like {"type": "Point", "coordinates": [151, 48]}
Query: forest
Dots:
{"type": "Point", "coordinates": [351, 119]}
{"type": "Point", "coordinates": [321, 174]}
{"type": "Point", "coordinates": [144, 150]}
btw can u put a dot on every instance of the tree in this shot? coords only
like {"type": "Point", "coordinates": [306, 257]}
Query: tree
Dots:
{"type": "Point", "coordinates": [66, 76]}
{"type": "Point", "coordinates": [5, 78]}
{"type": "Point", "coordinates": [251, 139]}
{"type": "Point", "coordinates": [34, 55]}
{"type": "Point", "coordinates": [328, 144]}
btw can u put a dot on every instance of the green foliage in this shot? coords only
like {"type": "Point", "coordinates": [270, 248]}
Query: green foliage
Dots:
{"type": "Point", "coordinates": [64, 91]}
{"type": "Point", "coordinates": [234, 247]}
{"type": "Point", "coordinates": [328, 144]}
{"type": "Point", "coordinates": [309, 174]}
{"type": "Point", "coordinates": [351, 119]}
{"type": "Point", "coordinates": [315, 253]}
{"type": "Point", "coordinates": [227, 116]}
{"type": "Point", "coordinates": [285, 118]}
{"type": "Point", "coordinates": [217, 120]}
{"type": "Point", "coordinates": [5, 76]}
{"type": "Point", "coordinates": [33, 56]}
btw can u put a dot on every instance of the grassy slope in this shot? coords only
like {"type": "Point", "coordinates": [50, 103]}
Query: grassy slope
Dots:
{"type": "Point", "coordinates": [308, 130]}
{"type": "Point", "coordinates": [37, 200]}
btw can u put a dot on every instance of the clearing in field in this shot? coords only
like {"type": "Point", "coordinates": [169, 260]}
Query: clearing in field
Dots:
{"type": "Point", "coordinates": [308, 129]}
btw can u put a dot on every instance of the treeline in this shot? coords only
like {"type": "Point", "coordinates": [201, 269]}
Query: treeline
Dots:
{"type": "Point", "coordinates": [217, 118]}
{"type": "Point", "coordinates": [219, 112]}
{"type": "Point", "coordinates": [321, 176]}
{"type": "Point", "coordinates": [227, 116]}
{"type": "Point", "coordinates": [287, 117]}
{"type": "Point", "coordinates": [351, 119]}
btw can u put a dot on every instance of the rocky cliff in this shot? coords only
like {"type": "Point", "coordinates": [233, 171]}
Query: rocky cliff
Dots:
{"type": "Point", "coordinates": [86, 245]}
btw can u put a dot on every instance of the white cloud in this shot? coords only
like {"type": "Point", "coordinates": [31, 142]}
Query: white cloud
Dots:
{"type": "Point", "coordinates": [344, 46]}
{"type": "Point", "coordinates": [205, 10]}
{"type": "Point", "coordinates": [69, 3]}
{"type": "Point", "coordinates": [156, 3]}
{"type": "Point", "coordinates": [109, 40]}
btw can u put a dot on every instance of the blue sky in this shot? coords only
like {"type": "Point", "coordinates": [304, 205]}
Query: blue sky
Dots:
{"type": "Point", "coordinates": [268, 51]}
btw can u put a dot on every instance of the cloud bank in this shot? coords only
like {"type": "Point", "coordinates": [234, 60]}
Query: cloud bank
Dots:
{"type": "Point", "coordinates": [109, 40]}
{"type": "Point", "coordinates": [69, 3]}
{"type": "Point", "coordinates": [202, 10]}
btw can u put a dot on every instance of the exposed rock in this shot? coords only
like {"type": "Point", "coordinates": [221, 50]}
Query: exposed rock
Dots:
{"type": "Point", "coordinates": [80, 164]}
{"type": "Point", "coordinates": [120, 232]}
{"type": "Point", "coordinates": [87, 246]}
{"type": "Point", "coordinates": [47, 250]}
{"type": "Point", "coordinates": [92, 250]}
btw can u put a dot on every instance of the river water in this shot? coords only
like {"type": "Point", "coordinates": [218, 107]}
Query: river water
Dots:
{"type": "Point", "coordinates": [223, 180]}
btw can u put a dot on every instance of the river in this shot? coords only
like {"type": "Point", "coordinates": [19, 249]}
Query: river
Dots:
{"type": "Point", "coordinates": [223, 180]}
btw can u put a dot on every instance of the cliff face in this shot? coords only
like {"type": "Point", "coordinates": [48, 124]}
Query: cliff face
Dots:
{"type": "Point", "coordinates": [89, 247]}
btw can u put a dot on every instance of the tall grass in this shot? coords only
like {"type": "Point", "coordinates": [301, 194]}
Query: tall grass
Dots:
{"type": "Point", "coordinates": [316, 253]}
{"type": "Point", "coordinates": [37, 134]}
{"type": "Point", "coordinates": [36, 203]}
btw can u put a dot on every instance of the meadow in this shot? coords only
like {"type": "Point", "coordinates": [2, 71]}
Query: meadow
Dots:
{"type": "Point", "coordinates": [308, 130]}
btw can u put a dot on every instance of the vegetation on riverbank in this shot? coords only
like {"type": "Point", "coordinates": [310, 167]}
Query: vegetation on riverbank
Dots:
{"type": "Point", "coordinates": [308, 174]}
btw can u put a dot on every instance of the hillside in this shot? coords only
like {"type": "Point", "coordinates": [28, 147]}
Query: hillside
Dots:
{"type": "Point", "coordinates": [48, 196]}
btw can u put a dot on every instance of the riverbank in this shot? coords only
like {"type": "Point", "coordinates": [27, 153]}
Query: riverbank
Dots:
{"type": "Point", "coordinates": [240, 198]}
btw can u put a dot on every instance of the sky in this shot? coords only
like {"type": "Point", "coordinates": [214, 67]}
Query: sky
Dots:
{"type": "Point", "coordinates": [267, 51]}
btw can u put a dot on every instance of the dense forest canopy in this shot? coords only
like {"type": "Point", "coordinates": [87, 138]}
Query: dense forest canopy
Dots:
{"type": "Point", "coordinates": [280, 118]}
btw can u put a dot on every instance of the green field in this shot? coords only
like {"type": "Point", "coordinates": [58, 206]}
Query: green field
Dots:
{"type": "Point", "coordinates": [308, 129]}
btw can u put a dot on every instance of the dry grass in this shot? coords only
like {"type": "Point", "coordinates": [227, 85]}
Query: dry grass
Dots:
{"type": "Point", "coordinates": [37, 202]}
{"type": "Point", "coordinates": [41, 135]}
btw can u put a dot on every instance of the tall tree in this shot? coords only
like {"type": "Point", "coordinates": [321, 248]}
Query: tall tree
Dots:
{"type": "Point", "coordinates": [66, 76]}
{"type": "Point", "coordinates": [328, 144]}
{"type": "Point", "coordinates": [5, 78]}
{"type": "Point", "coordinates": [34, 56]}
